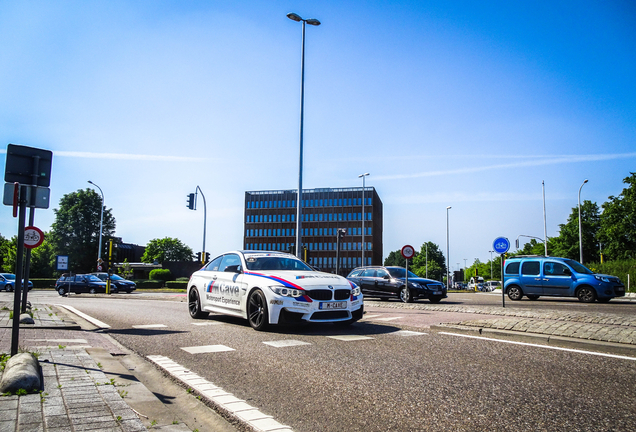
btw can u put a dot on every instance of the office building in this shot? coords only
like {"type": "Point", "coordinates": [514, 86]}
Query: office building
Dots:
{"type": "Point", "coordinates": [270, 224]}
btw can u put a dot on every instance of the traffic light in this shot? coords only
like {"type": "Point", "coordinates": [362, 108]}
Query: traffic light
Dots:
{"type": "Point", "coordinates": [306, 254]}
{"type": "Point", "coordinates": [198, 256]}
{"type": "Point", "coordinates": [476, 272]}
{"type": "Point", "coordinates": [191, 202]}
{"type": "Point", "coordinates": [207, 257]}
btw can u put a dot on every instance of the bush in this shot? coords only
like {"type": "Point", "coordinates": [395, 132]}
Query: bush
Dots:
{"type": "Point", "coordinates": [150, 284]}
{"type": "Point", "coordinates": [619, 268]}
{"type": "Point", "coordinates": [177, 284]}
{"type": "Point", "coordinates": [43, 283]}
{"type": "Point", "coordinates": [160, 274]}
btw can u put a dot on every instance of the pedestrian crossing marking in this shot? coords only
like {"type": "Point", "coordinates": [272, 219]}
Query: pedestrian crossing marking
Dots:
{"type": "Point", "coordinates": [207, 323]}
{"type": "Point", "coordinates": [408, 333]}
{"type": "Point", "coordinates": [149, 326]}
{"type": "Point", "coordinates": [348, 338]}
{"type": "Point", "coordinates": [388, 318]}
{"type": "Point", "coordinates": [371, 316]}
{"type": "Point", "coordinates": [286, 343]}
{"type": "Point", "coordinates": [207, 349]}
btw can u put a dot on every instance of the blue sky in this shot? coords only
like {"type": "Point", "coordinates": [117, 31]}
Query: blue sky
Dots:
{"type": "Point", "coordinates": [465, 104]}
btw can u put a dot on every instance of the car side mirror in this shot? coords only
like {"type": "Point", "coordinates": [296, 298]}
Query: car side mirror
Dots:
{"type": "Point", "coordinates": [567, 272]}
{"type": "Point", "coordinates": [386, 277]}
{"type": "Point", "coordinates": [233, 269]}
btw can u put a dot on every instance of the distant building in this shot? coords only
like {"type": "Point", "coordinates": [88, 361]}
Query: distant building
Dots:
{"type": "Point", "coordinates": [270, 224]}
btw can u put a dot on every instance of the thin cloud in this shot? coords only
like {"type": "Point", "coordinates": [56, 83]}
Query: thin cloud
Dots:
{"type": "Point", "coordinates": [555, 160]}
{"type": "Point", "coordinates": [126, 156]}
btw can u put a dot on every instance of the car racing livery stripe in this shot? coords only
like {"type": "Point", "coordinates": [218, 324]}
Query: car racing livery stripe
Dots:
{"type": "Point", "coordinates": [210, 285]}
{"type": "Point", "coordinates": [283, 282]}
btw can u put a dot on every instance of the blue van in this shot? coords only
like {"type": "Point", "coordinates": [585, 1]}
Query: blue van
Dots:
{"type": "Point", "coordinates": [535, 276]}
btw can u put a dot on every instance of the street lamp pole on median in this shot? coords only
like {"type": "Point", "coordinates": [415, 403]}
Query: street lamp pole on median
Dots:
{"type": "Point", "coordinates": [364, 176]}
{"type": "Point", "coordinates": [580, 230]}
{"type": "Point", "coordinates": [447, 248]}
{"type": "Point", "coordinates": [101, 224]}
{"type": "Point", "coordinates": [314, 22]}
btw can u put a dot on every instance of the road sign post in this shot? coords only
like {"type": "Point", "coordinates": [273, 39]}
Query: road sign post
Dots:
{"type": "Point", "coordinates": [407, 252]}
{"type": "Point", "coordinates": [501, 245]}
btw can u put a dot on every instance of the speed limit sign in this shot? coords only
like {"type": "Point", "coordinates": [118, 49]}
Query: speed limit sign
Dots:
{"type": "Point", "coordinates": [408, 251]}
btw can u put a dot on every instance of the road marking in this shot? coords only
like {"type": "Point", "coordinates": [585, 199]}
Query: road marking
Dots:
{"type": "Point", "coordinates": [149, 326]}
{"type": "Point", "coordinates": [207, 349]}
{"type": "Point", "coordinates": [543, 346]}
{"type": "Point", "coordinates": [94, 321]}
{"type": "Point", "coordinates": [79, 341]}
{"type": "Point", "coordinates": [286, 343]}
{"type": "Point", "coordinates": [207, 323]}
{"type": "Point", "coordinates": [348, 338]}
{"type": "Point", "coordinates": [371, 316]}
{"type": "Point", "coordinates": [388, 318]}
{"type": "Point", "coordinates": [221, 399]}
{"type": "Point", "coordinates": [408, 333]}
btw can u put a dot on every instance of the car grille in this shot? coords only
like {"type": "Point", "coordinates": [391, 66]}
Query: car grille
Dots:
{"type": "Point", "coordinates": [342, 294]}
{"type": "Point", "coordinates": [435, 287]}
{"type": "Point", "coordinates": [329, 315]}
{"type": "Point", "coordinates": [319, 294]}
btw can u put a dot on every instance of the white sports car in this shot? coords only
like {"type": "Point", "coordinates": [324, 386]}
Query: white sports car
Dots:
{"type": "Point", "coordinates": [270, 288]}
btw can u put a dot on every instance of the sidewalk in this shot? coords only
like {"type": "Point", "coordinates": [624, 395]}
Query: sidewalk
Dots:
{"type": "Point", "coordinates": [77, 395]}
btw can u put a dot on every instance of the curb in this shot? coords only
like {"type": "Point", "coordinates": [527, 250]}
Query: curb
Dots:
{"type": "Point", "coordinates": [542, 339]}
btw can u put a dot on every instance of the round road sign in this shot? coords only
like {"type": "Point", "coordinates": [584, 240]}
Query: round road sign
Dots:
{"type": "Point", "coordinates": [501, 245]}
{"type": "Point", "coordinates": [33, 237]}
{"type": "Point", "coordinates": [408, 251]}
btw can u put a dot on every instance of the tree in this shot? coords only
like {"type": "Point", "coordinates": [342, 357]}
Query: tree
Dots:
{"type": "Point", "coordinates": [75, 231]}
{"type": "Point", "coordinates": [617, 231]}
{"type": "Point", "coordinates": [566, 244]}
{"type": "Point", "coordinates": [166, 249]}
{"type": "Point", "coordinates": [395, 258]}
{"type": "Point", "coordinates": [435, 262]}
{"type": "Point", "coordinates": [4, 253]}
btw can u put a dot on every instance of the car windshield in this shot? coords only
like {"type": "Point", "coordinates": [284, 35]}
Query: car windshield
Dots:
{"type": "Point", "coordinates": [275, 262]}
{"type": "Point", "coordinates": [578, 267]}
{"type": "Point", "coordinates": [400, 273]}
{"type": "Point", "coordinates": [93, 278]}
{"type": "Point", "coordinates": [116, 277]}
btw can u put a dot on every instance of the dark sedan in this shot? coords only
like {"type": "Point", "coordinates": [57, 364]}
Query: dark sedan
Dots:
{"type": "Point", "coordinates": [123, 285]}
{"type": "Point", "coordinates": [81, 283]}
{"type": "Point", "coordinates": [386, 282]}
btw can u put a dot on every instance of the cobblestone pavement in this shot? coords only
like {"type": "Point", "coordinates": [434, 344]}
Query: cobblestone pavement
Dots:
{"type": "Point", "coordinates": [76, 395]}
{"type": "Point", "coordinates": [601, 327]}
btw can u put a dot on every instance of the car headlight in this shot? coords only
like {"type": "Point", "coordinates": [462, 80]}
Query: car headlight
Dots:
{"type": "Point", "coordinates": [287, 292]}
{"type": "Point", "coordinates": [601, 278]}
{"type": "Point", "coordinates": [355, 291]}
{"type": "Point", "coordinates": [416, 285]}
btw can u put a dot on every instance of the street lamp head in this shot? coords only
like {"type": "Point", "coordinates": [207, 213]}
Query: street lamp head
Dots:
{"type": "Point", "coordinates": [363, 175]}
{"type": "Point", "coordinates": [294, 17]}
{"type": "Point", "coordinates": [91, 182]}
{"type": "Point", "coordinates": [585, 181]}
{"type": "Point", "coordinates": [449, 207]}
{"type": "Point", "coordinates": [313, 22]}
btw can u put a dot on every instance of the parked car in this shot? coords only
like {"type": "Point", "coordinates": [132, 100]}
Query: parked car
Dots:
{"type": "Point", "coordinates": [492, 285]}
{"type": "Point", "coordinates": [123, 285]}
{"type": "Point", "coordinates": [81, 283]}
{"type": "Point", "coordinates": [387, 282]}
{"type": "Point", "coordinates": [535, 276]}
{"type": "Point", "coordinates": [270, 288]}
{"type": "Point", "coordinates": [7, 282]}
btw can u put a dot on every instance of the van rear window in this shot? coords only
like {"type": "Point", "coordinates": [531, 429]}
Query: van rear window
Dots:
{"type": "Point", "coordinates": [512, 268]}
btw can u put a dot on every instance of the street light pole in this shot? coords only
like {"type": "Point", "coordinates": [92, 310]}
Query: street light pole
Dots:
{"type": "Point", "coordinates": [491, 263]}
{"type": "Point", "coordinates": [447, 252]}
{"type": "Point", "coordinates": [364, 176]}
{"type": "Point", "coordinates": [101, 224]}
{"type": "Point", "coordinates": [314, 22]}
{"type": "Point", "coordinates": [580, 230]}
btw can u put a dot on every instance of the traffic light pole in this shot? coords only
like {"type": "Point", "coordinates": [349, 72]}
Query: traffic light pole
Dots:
{"type": "Point", "coordinates": [205, 218]}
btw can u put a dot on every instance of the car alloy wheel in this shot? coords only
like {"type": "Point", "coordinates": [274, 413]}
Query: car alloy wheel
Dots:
{"type": "Point", "coordinates": [586, 294]}
{"type": "Point", "coordinates": [257, 310]}
{"type": "Point", "coordinates": [194, 305]}
{"type": "Point", "coordinates": [515, 293]}
{"type": "Point", "coordinates": [406, 295]}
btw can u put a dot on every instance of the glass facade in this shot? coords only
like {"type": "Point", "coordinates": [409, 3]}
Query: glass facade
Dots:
{"type": "Point", "coordinates": [270, 224]}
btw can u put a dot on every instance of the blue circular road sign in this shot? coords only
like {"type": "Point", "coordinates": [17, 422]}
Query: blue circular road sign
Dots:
{"type": "Point", "coordinates": [501, 245]}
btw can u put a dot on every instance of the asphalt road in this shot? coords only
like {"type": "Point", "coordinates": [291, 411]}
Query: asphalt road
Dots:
{"type": "Point", "coordinates": [387, 379]}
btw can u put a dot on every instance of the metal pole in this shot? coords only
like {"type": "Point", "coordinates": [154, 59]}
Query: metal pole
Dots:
{"type": "Point", "coordinates": [545, 229]}
{"type": "Point", "coordinates": [580, 230]}
{"type": "Point", "coordinates": [447, 248]}
{"type": "Point", "coordinates": [205, 218]}
{"type": "Point", "coordinates": [17, 288]}
{"type": "Point", "coordinates": [27, 264]}
{"type": "Point", "coordinates": [101, 223]}
{"type": "Point", "coordinates": [299, 211]}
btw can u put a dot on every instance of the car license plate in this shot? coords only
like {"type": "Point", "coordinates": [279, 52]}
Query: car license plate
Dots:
{"type": "Point", "coordinates": [333, 305]}
{"type": "Point", "coordinates": [438, 293]}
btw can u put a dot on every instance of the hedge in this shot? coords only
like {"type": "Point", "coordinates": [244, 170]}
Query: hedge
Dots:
{"type": "Point", "coordinates": [177, 284]}
{"type": "Point", "coordinates": [43, 283]}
